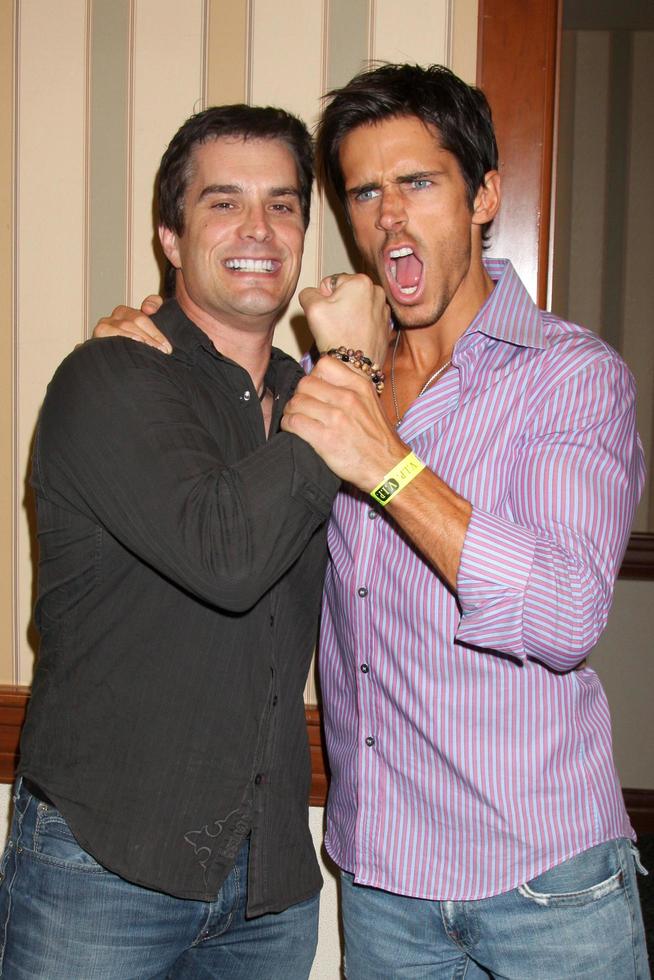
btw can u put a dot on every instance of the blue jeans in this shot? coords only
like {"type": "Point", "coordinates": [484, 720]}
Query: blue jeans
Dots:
{"type": "Point", "coordinates": [581, 919]}
{"type": "Point", "coordinates": [64, 917]}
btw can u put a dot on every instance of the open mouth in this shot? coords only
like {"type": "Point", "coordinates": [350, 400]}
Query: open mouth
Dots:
{"type": "Point", "coordinates": [252, 265]}
{"type": "Point", "coordinates": [405, 270]}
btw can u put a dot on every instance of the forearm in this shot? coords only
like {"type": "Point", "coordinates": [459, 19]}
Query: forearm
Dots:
{"type": "Point", "coordinates": [120, 443]}
{"type": "Point", "coordinates": [435, 518]}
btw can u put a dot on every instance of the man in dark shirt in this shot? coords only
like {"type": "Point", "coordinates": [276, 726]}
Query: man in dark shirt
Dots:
{"type": "Point", "coordinates": [160, 825]}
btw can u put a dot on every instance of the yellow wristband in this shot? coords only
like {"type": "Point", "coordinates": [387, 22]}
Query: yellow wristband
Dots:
{"type": "Point", "coordinates": [397, 478]}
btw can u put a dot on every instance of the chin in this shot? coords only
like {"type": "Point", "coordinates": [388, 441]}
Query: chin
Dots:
{"type": "Point", "coordinates": [411, 319]}
{"type": "Point", "coordinates": [262, 305]}
{"type": "Point", "coordinates": [420, 315]}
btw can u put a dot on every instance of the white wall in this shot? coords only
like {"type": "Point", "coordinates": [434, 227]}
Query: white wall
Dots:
{"type": "Point", "coordinates": [623, 659]}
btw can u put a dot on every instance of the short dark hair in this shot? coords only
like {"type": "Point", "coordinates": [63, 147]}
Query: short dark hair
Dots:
{"type": "Point", "coordinates": [459, 112]}
{"type": "Point", "coordinates": [238, 121]}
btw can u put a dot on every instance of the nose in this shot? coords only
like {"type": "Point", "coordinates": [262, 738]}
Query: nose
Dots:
{"type": "Point", "coordinates": [255, 223]}
{"type": "Point", "coordinates": [392, 211]}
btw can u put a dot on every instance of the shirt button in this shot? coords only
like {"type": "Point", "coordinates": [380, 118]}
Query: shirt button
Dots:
{"type": "Point", "coordinates": [370, 740]}
{"type": "Point", "coordinates": [245, 397]}
{"type": "Point", "coordinates": [364, 668]}
{"type": "Point", "coordinates": [372, 514]}
{"type": "Point", "coordinates": [274, 701]}
{"type": "Point", "coordinates": [272, 620]}
{"type": "Point", "coordinates": [362, 592]}
{"type": "Point", "coordinates": [257, 779]}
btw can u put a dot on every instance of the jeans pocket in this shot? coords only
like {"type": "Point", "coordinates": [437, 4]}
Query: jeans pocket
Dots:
{"type": "Point", "coordinates": [53, 842]}
{"type": "Point", "coordinates": [582, 880]}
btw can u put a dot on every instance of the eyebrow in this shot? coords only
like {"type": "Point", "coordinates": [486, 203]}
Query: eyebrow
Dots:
{"type": "Point", "coordinates": [239, 189]}
{"type": "Point", "coordinates": [219, 189]}
{"type": "Point", "coordinates": [284, 192]}
{"type": "Point", "coordinates": [419, 175]}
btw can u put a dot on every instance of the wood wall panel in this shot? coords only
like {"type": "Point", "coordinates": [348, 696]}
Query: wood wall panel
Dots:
{"type": "Point", "coordinates": [516, 67]}
{"type": "Point", "coordinates": [516, 70]}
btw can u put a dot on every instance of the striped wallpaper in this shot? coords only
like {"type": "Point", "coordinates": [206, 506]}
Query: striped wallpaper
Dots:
{"type": "Point", "coordinates": [89, 99]}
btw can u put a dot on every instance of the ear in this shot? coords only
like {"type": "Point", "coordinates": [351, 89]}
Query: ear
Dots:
{"type": "Point", "coordinates": [169, 244]}
{"type": "Point", "coordinates": [487, 200]}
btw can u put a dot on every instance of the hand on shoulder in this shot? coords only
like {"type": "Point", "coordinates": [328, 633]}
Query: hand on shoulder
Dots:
{"type": "Point", "coordinates": [125, 321]}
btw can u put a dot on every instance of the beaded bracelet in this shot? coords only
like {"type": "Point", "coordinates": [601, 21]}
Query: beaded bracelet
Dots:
{"type": "Point", "coordinates": [358, 360]}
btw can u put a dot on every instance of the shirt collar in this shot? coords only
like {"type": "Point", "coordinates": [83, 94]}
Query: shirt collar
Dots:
{"type": "Point", "coordinates": [509, 314]}
{"type": "Point", "coordinates": [183, 334]}
{"type": "Point", "coordinates": [187, 339]}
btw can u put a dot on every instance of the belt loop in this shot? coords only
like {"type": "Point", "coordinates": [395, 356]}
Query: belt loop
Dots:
{"type": "Point", "coordinates": [636, 856]}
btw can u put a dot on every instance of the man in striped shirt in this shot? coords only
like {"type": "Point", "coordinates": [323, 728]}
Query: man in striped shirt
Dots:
{"type": "Point", "coordinates": [474, 807]}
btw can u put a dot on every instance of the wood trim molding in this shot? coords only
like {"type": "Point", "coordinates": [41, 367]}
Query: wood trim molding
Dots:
{"type": "Point", "coordinates": [319, 764]}
{"type": "Point", "coordinates": [640, 807]}
{"type": "Point", "coordinates": [13, 704]}
{"type": "Point", "coordinates": [639, 559]}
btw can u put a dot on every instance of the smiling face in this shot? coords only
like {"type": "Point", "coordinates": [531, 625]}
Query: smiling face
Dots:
{"type": "Point", "coordinates": [413, 222]}
{"type": "Point", "coordinates": [241, 249]}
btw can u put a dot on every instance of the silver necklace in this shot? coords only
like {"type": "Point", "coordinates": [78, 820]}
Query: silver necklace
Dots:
{"type": "Point", "coordinates": [430, 380]}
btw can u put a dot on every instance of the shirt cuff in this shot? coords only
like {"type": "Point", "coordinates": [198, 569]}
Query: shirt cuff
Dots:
{"type": "Point", "coordinates": [494, 571]}
{"type": "Point", "coordinates": [312, 479]}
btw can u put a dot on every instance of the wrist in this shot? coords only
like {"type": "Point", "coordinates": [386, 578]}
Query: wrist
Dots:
{"type": "Point", "coordinates": [397, 478]}
{"type": "Point", "coordinates": [358, 361]}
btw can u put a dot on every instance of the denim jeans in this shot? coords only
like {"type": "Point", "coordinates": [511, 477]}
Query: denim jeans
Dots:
{"type": "Point", "coordinates": [581, 919]}
{"type": "Point", "coordinates": [64, 917]}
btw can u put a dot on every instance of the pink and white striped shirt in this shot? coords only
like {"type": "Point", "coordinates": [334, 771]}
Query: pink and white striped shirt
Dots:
{"type": "Point", "coordinates": [467, 754]}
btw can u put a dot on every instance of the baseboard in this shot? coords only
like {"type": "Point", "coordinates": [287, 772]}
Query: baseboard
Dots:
{"type": "Point", "coordinates": [13, 704]}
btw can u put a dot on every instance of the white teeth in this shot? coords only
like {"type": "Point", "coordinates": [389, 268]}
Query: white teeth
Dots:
{"type": "Point", "coordinates": [408, 290]}
{"type": "Point", "coordinates": [250, 265]}
{"type": "Point", "coordinates": [399, 253]}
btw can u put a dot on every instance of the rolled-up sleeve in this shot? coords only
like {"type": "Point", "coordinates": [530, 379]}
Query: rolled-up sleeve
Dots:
{"type": "Point", "coordinates": [536, 581]}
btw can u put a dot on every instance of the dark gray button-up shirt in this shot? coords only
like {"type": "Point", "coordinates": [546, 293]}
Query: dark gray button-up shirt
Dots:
{"type": "Point", "coordinates": [181, 567]}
